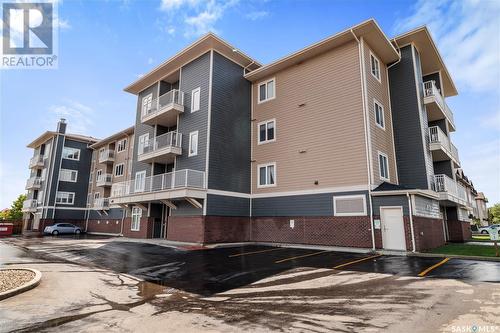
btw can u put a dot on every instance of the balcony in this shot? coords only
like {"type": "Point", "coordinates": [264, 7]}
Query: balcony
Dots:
{"type": "Point", "coordinates": [161, 149]}
{"type": "Point", "coordinates": [106, 156]}
{"type": "Point", "coordinates": [37, 161]}
{"type": "Point", "coordinates": [436, 106]}
{"type": "Point", "coordinates": [450, 192]}
{"type": "Point", "coordinates": [101, 204]}
{"type": "Point", "coordinates": [34, 183]}
{"type": "Point", "coordinates": [29, 205]}
{"type": "Point", "coordinates": [164, 110]}
{"type": "Point", "coordinates": [441, 147]}
{"type": "Point", "coordinates": [173, 185]}
{"type": "Point", "coordinates": [105, 179]}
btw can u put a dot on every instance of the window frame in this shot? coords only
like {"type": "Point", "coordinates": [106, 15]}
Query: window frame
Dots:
{"type": "Point", "coordinates": [74, 150]}
{"type": "Point", "coordinates": [374, 57]}
{"type": "Point", "coordinates": [191, 134]}
{"type": "Point", "coordinates": [197, 90]}
{"type": "Point", "coordinates": [266, 122]}
{"type": "Point", "coordinates": [116, 167]}
{"type": "Point", "coordinates": [266, 165]}
{"type": "Point", "coordinates": [266, 82]}
{"type": "Point", "coordinates": [353, 196]}
{"type": "Point", "coordinates": [375, 103]}
{"type": "Point", "coordinates": [121, 143]}
{"type": "Point", "coordinates": [142, 143]}
{"type": "Point", "coordinates": [150, 102]}
{"type": "Point", "coordinates": [143, 172]}
{"type": "Point", "coordinates": [379, 154]}
{"type": "Point", "coordinates": [58, 193]}
{"type": "Point", "coordinates": [68, 171]}
{"type": "Point", "coordinates": [135, 225]}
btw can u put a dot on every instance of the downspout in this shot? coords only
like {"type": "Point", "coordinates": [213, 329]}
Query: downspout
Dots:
{"type": "Point", "coordinates": [368, 157]}
{"type": "Point", "coordinates": [412, 230]}
{"type": "Point", "coordinates": [123, 219]}
{"type": "Point", "coordinates": [399, 52]}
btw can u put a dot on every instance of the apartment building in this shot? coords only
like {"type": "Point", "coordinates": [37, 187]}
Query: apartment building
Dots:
{"type": "Point", "coordinates": [347, 142]}
{"type": "Point", "coordinates": [59, 176]}
{"type": "Point", "coordinates": [111, 163]}
{"type": "Point", "coordinates": [482, 209]}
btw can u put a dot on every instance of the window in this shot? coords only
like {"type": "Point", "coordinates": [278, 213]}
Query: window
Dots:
{"type": "Point", "coordinates": [147, 102]}
{"type": "Point", "coordinates": [122, 145]}
{"type": "Point", "coordinates": [98, 175]}
{"type": "Point", "coordinates": [383, 165]}
{"type": "Point", "coordinates": [143, 142]}
{"type": "Point", "coordinates": [90, 177]}
{"type": "Point", "coordinates": [266, 91]}
{"type": "Point", "coordinates": [97, 195]}
{"type": "Point", "coordinates": [266, 131]}
{"type": "Point", "coordinates": [71, 153]}
{"type": "Point", "coordinates": [375, 66]}
{"type": "Point", "coordinates": [140, 181]}
{"type": "Point", "coordinates": [267, 175]}
{"type": "Point", "coordinates": [193, 143]}
{"type": "Point", "coordinates": [136, 219]}
{"type": "Point", "coordinates": [195, 100]}
{"type": "Point", "coordinates": [65, 198]}
{"type": "Point", "coordinates": [349, 205]}
{"type": "Point", "coordinates": [119, 170]}
{"type": "Point", "coordinates": [379, 114]}
{"type": "Point", "coordinates": [67, 175]}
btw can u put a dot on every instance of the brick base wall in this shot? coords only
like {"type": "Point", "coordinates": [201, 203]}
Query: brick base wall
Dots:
{"type": "Point", "coordinates": [109, 226]}
{"type": "Point", "coordinates": [46, 222]}
{"type": "Point", "coordinates": [186, 229]}
{"type": "Point", "coordinates": [429, 233]}
{"type": "Point", "coordinates": [459, 231]}
{"type": "Point", "coordinates": [145, 228]}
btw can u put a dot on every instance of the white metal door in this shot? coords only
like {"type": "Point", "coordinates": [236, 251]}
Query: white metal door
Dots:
{"type": "Point", "coordinates": [393, 231]}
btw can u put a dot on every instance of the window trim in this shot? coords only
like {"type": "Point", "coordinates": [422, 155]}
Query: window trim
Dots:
{"type": "Point", "coordinates": [379, 78]}
{"type": "Point", "coordinates": [118, 146]}
{"type": "Point", "coordinates": [192, 99]}
{"type": "Point", "coordinates": [258, 90]}
{"type": "Point", "coordinates": [354, 196]}
{"type": "Point", "coordinates": [138, 215]}
{"type": "Point", "coordinates": [375, 103]}
{"type": "Point", "coordinates": [71, 159]}
{"type": "Point", "coordinates": [258, 131]}
{"type": "Point", "coordinates": [265, 165]}
{"type": "Point", "coordinates": [143, 172]}
{"type": "Point", "coordinates": [197, 143]}
{"type": "Point", "coordinates": [379, 153]}
{"type": "Point", "coordinates": [68, 180]}
{"type": "Point", "coordinates": [123, 169]}
{"type": "Point", "coordinates": [139, 150]}
{"type": "Point", "coordinates": [150, 95]}
{"type": "Point", "coordinates": [65, 203]}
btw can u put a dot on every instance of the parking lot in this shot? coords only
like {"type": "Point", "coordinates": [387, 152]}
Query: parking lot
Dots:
{"type": "Point", "coordinates": [256, 287]}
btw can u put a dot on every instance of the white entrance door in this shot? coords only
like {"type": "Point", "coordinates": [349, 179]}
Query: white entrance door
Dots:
{"type": "Point", "coordinates": [393, 231]}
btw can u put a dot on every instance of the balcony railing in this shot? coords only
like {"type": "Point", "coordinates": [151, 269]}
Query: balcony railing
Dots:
{"type": "Point", "coordinates": [30, 205]}
{"type": "Point", "coordinates": [107, 155]}
{"type": "Point", "coordinates": [444, 184]}
{"type": "Point", "coordinates": [170, 139]}
{"type": "Point", "coordinates": [34, 182]}
{"type": "Point", "coordinates": [437, 135]}
{"type": "Point", "coordinates": [167, 181]}
{"type": "Point", "coordinates": [158, 104]}
{"type": "Point", "coordinates": [101, 203]}
{"type": "Point", "coordinates": [37, 161]}
{"type": "Point", "coordinates": [104, 179]}
{"type": "Point", "coordinates": [430, 90]}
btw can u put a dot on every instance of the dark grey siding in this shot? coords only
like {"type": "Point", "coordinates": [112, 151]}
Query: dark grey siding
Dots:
{"type": "Point", "coordinates": [298, 205]}
{"type": "Point", "coordinates": [390, 200]}
{"type": "Point", "coordinates": [70, 214]}
{"type": "Point", "coordinates": [409, 144]}
{"type": "Point", "coordinates": [193, 75]}
{"type": "Point", "coordinates": [113, 213]}
{"type": "Point", "coordinates": [443, 167]}
{"type": "Point", "coordinates": [219, 205]}
{"type": "Point", "coordinates": [50, 197]}
{"type": "Point", "coordinates": [184, 208]}
{"type": "Point", "coordinates": [229, 164]}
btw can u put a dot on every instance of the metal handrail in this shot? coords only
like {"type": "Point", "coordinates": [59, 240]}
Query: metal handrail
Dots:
{"type": "Point", "coordinates": [169, 139]}
{"type": "Point", "coordinates": [174, 96]}
{"type": "Point", "coordinates": [430, 89]}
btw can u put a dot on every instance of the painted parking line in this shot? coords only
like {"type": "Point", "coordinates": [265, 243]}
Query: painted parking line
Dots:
{"type": "Point", "coordinates": [255, 252]}
{"type": "Point", "coordinates": [427, 270]}
{"type": "Point", "coordinates": [302, 256]}
{"type": "Point", "coordinates": [356, 261]}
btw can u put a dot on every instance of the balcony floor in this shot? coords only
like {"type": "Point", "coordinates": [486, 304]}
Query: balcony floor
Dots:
{"type": "Point", "coordinates": [166, 116]}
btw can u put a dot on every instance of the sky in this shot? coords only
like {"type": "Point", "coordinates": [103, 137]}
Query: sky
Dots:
{"type": "Point", "coordinates": [105, 45]}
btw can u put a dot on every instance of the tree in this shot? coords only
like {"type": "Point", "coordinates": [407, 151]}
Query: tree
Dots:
{"type": "Point", "coordinates": [4, 214]}
{"type": "Point", "coordinates": [494, 213]}
{"type": "Point", "coordinates": [15, 212]}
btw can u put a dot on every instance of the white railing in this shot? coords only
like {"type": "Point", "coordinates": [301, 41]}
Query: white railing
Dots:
{"type": "Point", "coordinates": [167, 181]}
{"type": "Point", "coordinates": [462, 192]}
{"type": "Point", "coordinates": [35, 160]}
{"type": "Point", "coordinates": [106, 154]}
{"type": "Point", "coordinates": [169, 139]}
{"type": "Point", "coordinates": [172, 97]}
{"type": "Point", "coordinates": [30, 203]}
{"type": "Point", "coordinates": [443, 183]}
{"type": "Point", "coordinates": [430, 90]}
{"type": "Point", "coordinates": [34, 181]}
{"type": "Point", "coordinates": [103, 179]}
{"type": "Point", "coordinates": [463, 215]}
{"type": "Point", "coordinates": [101, 203]}
{"type": "Point", "coordinates": [437, 135]}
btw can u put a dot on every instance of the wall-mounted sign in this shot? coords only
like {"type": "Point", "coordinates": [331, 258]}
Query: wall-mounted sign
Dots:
{"type": "Point", "coordinates": [376, 224]}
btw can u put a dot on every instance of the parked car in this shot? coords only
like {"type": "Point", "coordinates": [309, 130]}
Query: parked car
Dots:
{"type": "Point", "coordinates": [62, 228]}
{"type": "Point", "coordinates": [490, 228]}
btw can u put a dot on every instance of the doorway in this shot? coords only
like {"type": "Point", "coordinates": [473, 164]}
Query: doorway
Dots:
{"type": "Point", "coordinates": [393, 230]}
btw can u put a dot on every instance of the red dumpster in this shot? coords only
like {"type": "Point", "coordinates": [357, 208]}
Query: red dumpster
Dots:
{"type": "Point", "coordinates": [6, 229]}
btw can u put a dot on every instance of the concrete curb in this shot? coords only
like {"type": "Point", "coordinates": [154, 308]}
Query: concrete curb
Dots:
{"type": "Point", "coordinates": [25, 287]}
{"type": "Point", "coordinates": [455, 256]}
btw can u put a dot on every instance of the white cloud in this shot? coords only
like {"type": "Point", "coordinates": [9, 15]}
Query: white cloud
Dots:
{"type": "Point", "coordinates": [468, 35]}
{"type": "Point", "coordinates": [167, 5]}
{"type": "Point", "coordinates": [257, 15]}
{"type": "Point", "coordinates": [80, 118]}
